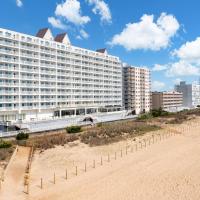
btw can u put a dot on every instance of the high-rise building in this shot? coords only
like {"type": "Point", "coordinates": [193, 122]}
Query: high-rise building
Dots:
{"type": "Point", "coordinates": [167, 100]}
{"type": "Point", "coordinates": [195, 94]}
{"type": "Point", "coordinates": [136, 89]}
{"type": "Point", "coordinates": [191, 93]}
{"type": "Point", "coordinates": [186, 90]}
{"type": "Point", "coordinates": [44, 77]}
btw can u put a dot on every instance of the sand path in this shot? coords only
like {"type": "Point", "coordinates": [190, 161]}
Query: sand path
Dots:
{"type": "Point", "coordinates": [166, 170]}
{"type": "Point", "coordinates": [12, 187]}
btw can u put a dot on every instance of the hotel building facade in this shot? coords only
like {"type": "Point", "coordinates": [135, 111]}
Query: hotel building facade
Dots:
{"type": "Point", "coordinates": [137, 89]}
{"type": "Point", "coordinates": [44, 77]}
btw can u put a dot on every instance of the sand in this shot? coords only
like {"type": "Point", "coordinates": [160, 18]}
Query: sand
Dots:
{"type": "Point", "coordinates": [166, 170]}
{"type": "Point", "coordinates": [12, 187]}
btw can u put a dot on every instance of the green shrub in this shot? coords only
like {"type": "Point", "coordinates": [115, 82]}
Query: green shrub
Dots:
{"type": "Point", "coordinates": [100, 124]}
{"type": "Point", "coordinates": [22, 136]}
{"type": "Point", "coordinates": [73, 129]}
{"type": "Point", "coordinates": [145, 116]}
{"type": "Point", "coordinates": [5, 144]}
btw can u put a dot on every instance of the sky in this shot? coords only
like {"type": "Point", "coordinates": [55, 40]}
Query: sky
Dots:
{"type": "Point", "coordinates": [162, 35]}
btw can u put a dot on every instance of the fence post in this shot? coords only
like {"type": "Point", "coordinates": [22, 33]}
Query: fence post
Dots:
{"type": "Point", "coordinates": [76, 171]}
{"type": "Point", "coordinates": [41, 183]}
{"type": "Point", "coordinates": [27, 189]}
{"type": "Point", "coordinates": [136, 147]}
{"type": "Point", "coordinates": [101, 161]}
{"type": "Point", "coordinates": [66, 174]}
{"type": "Point", "coordinates": [93, 163]}
{"type": "Point", "coordinates": [54, 178]}
{"type": "Point", "coordinates": [85, 167]}
{"type": "Point", "coordinates": [108, 157]}
{"type": "Point", "coordinates": [115, 156]}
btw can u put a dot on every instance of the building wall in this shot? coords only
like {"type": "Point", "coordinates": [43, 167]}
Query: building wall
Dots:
{"type": "Point", "coordinates": [166, 100]}
{"type": "Point", "coordinates": [157, 100]}
{"type": "Point", "coordinates": [186, 90]}
{"type": "Point", "coordinates": [195, 94]}
{"type": "Point", "coordinates": [136, 84]}
{"type": "Point", "coordinates": [39, 77]}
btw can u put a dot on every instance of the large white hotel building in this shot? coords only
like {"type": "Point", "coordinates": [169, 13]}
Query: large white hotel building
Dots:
{"type": "Point", "coordinates": [44, 77]}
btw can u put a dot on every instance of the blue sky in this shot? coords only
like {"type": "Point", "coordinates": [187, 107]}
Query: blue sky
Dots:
{"type": "Point", "coordinates": [159, 34]}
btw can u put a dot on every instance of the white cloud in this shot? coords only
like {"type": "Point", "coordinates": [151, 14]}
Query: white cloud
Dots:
{"type": "Point", "coordinates": [157, 85]}
{"type": "Point", "coordinates": [188, 63]}
{"type": "Point", "coordinates": [84, 34]}
{"type": "Point", "coordinates": [158, 67]}
{"type": "Point", "coordinates": [182, 68]}
{"type": "Point", "coordinates": [70, 10]}
{"type": "Point", "coordinates": [190, 51]}
{"type": "Point", "coordinates": [147, 33]}
{"type": "Point", "coordinates": [56, 23]}
{"type": "Point", "coordinates": [19, 3]}
{"type": "Point", "coordinates": [177, 80]}
{"type": "Point", "coordinates": [101, 8]}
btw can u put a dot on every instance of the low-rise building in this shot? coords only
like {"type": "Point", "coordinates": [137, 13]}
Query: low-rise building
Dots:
{"type": "Point", "coordinates": [167, 100]}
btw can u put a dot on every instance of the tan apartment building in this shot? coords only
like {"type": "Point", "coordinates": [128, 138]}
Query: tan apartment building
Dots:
{"type": "Point", "coordinates": [167, 100]}
{"type": "Point", "coordinates": [136, 89]}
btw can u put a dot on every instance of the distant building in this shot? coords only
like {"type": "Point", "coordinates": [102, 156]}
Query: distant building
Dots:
{"type": "Point", "coordinates": [136, 89]}
{"type": "Point", "coordinates": [186, 90]}
{"type": "Point", "coordinates": [195, 94]}
{"type": "Point", "coordinates": [167, 100]}
{"type": "Point", "coordinates": [191, 93]}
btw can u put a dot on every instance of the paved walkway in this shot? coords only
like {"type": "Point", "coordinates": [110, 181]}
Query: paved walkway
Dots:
{"type": "Point", "coordinates": [12, 187]}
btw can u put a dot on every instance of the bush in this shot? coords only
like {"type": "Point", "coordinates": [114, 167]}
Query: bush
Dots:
{"type": "Point", "coordinates": [4, 144]}
{"type": "Point", "coordinates": [145, 116]}
{"type": "Point", "coordinates": [73, 129]}
{"type": "Point", "coordinates": [22, 136]}
{"type": "Point", "coordinates": [100, 124]}
{"type": "Point", "coordinates": [50, 141]}
{"type": "Point", "coordinates": [115, 131]}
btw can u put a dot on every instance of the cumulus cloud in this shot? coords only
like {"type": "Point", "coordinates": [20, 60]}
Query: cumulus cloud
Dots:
{"type": "Point", "coordinates": [19, 3]}
{"type": "Point", "coordinates": [177, 80]}
{"type": "Point", "coordinates": [157, 85]}
{"type": "Point", "coordinates": [158, 67]}
{"type": "Point", "coordinates": [182, 68]}
{"type": "Point", "coordinates": [188, 63]}
{"type": "Point", "coordinates": [84, 34]}
{"type": "Point", "coordinates": [56, 23]}
{"type": "Point", "coordinates": [147, 34]}
{"type": "Point", "coordinates": [102, 9]}
{"type": "Point", "coordinates": [70, 10]}
{"type": "Point", "coordinates": [190, 51]}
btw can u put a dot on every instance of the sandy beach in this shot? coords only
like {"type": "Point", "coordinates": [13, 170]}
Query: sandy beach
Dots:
{"type": "Point", "coordinates": [166, 169]}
